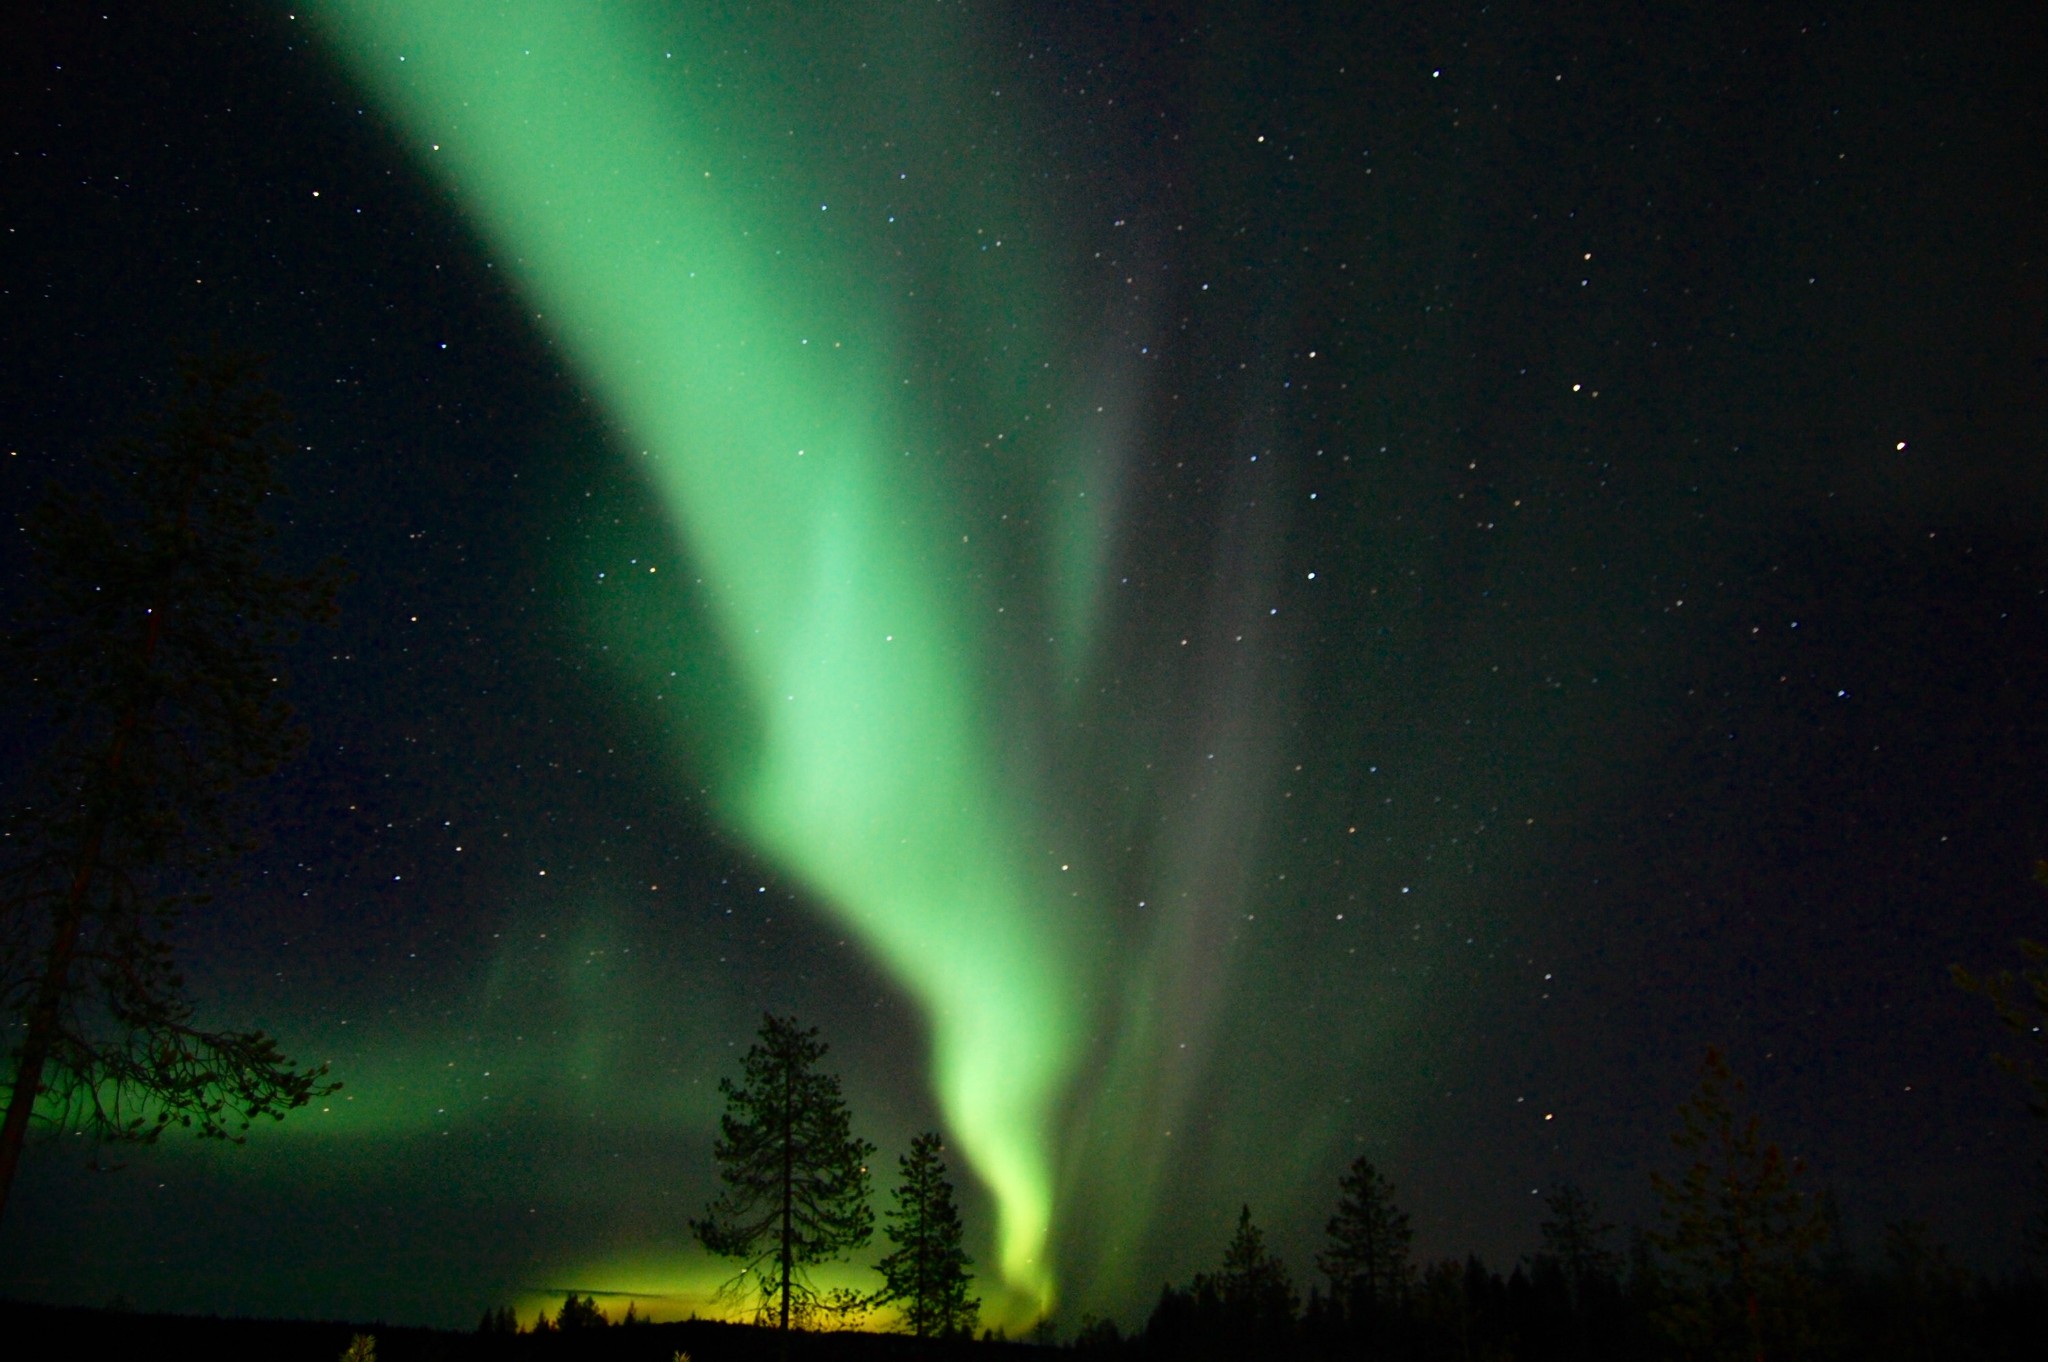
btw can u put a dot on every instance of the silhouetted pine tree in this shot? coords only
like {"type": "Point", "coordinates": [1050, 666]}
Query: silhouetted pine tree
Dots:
{"type": "Point", "coordinates": [1253, 1290]}
{"type": "Point", "coordinates": [1737, 1233]}
{"type": "Point", "coordinates": [579, 1314]}
{"type": "Point", "coordinates": [499, 1319]}
{"type": "Point", "coordinates": [1443, 1309]}
{"type": "Point", "coordinates": [149, 649]}
{"type": "Point", "coordinates": [1174, 1328]}
{"type": "Point", "coordinates": [796, 1177]}
{"type": "Point", "coordinates": [927, 1274]}
{"type": "Point", "coordinates": [1367, 1260]}
{"type": "Point", "coordinates": [1575, 1249]}
{"type": "Point", "coordinates": [1576, 1237]}
{"type": "Point", "coordinates": [1098, 1335]}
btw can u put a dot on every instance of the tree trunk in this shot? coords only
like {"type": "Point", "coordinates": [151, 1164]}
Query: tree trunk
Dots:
{"type": "Point", "coordinates": [49, 1004]}
{"type": "Point", "coordinates": [920, 1315]}
{"type": "Point", "coordinates": [788, 1179]}
{"type": "Point", "coordinates": [42, 1031]}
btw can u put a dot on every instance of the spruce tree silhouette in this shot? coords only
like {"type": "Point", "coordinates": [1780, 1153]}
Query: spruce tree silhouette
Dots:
{"type": "Point", "coordinates": [1576, 1237]}
{"type": "Point", "coordinates": [1253, 1290]}
{"type": "Point", "coordinates": [1367, 1260]}
{"type": "Point", "coordinates": [1737, 1232]}
{"type": "Point", "coordinates": [579, 1314]}
{"type": "Point", "coordinates": [796, 1177]}
{"type": "Point", "coordinates": [1575, 1244]}
{"type": "Point", "coordinates": [927, 1274]}
{"type": "Point", "coordinates": [498, 1319]}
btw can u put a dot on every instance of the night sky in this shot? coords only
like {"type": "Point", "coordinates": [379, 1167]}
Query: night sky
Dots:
{"type": "Point", "coordinates": [1206, 594]}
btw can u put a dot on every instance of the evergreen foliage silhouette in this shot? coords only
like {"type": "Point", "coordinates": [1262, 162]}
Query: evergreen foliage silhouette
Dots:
{"type": "Point", "coordinates": [499, 1319]}
{"type": "Point", "coordinates": [579, 1314]}
{"type": "Point", "coordinates": [1451, 1302]}
{"type": "Point", "coordinates": [149, 649]}
{"type": "Point", "coordinates": [1575, 1239]}
{"type": "Point", "coordinates": [1737, 1233]}
{"type": "Point", "coordinates": [927, 1274]}
{"type": "Point", "coordinates": [1253, 1289]}
{"type": "Point", "coordinates": [1246, 1308]}
{"type": "Point", "coordinates": [1575, 1250]}
{"type": "Point", "coordinates": [1367, 1261]}
{"type": "Point", "coordinates": [795, 1176]}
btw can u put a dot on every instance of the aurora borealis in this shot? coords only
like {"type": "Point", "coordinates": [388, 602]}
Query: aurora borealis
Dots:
{"type": "Point", "coordinates": [769, 389]}
{"type": "Point", "coordinates": [1205, 593]}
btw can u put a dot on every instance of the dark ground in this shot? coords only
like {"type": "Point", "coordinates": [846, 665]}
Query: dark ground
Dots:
{"type": "Point", "coordinates": [74, 1332]}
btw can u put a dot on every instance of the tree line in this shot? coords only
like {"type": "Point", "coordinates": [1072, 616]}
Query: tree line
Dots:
{"type": "Point", "coordinates": [1744, 1262]}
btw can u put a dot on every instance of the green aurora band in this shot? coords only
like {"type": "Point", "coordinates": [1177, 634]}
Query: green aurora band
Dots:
{"type": "Point", "coordinates": [663, 186]}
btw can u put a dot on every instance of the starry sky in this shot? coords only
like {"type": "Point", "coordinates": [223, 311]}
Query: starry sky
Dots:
{"type": "Point", "coordinates": [1206, 593]}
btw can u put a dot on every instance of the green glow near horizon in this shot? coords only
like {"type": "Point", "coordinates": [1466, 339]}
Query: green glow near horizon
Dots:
{"type": "Point", "coordinates": [643, 179]}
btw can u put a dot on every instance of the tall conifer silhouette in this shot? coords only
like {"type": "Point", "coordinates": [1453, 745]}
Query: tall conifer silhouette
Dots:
{"type": "Point", "coordinates": [795, 1175]}
{"type": "Point", "coordinates": [927, 1274]}
{"type": "Point", "coordinates": [150, 650]}
{"type": "Point", "coordinates": [1367, 1261]}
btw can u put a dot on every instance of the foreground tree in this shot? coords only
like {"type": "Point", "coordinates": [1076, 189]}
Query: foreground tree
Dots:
{"type": "Point", "coordinates": [1244, 1309]}
{"type": "Point", "coordinates": [1737, 1231]}
{"type": "Point", "coordinates": [1576, 1237]}
{"type": "Point", "coordinates": [1367, 1260]}
{"type": "Point", "coordinates": [1575, 1247]}
{"type": "Point", "coordinates": [796, 1177]}
{"type": "Point", "coordinates": [927, 1273]}
{"type": "Point", "coordinates": [148, 649]}
{"type": "Point", "coordinates": [1254, 1290]}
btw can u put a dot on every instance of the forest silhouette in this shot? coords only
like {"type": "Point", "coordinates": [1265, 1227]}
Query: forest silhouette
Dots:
{"type": "Point", "coordinates": [1746, 1260]}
